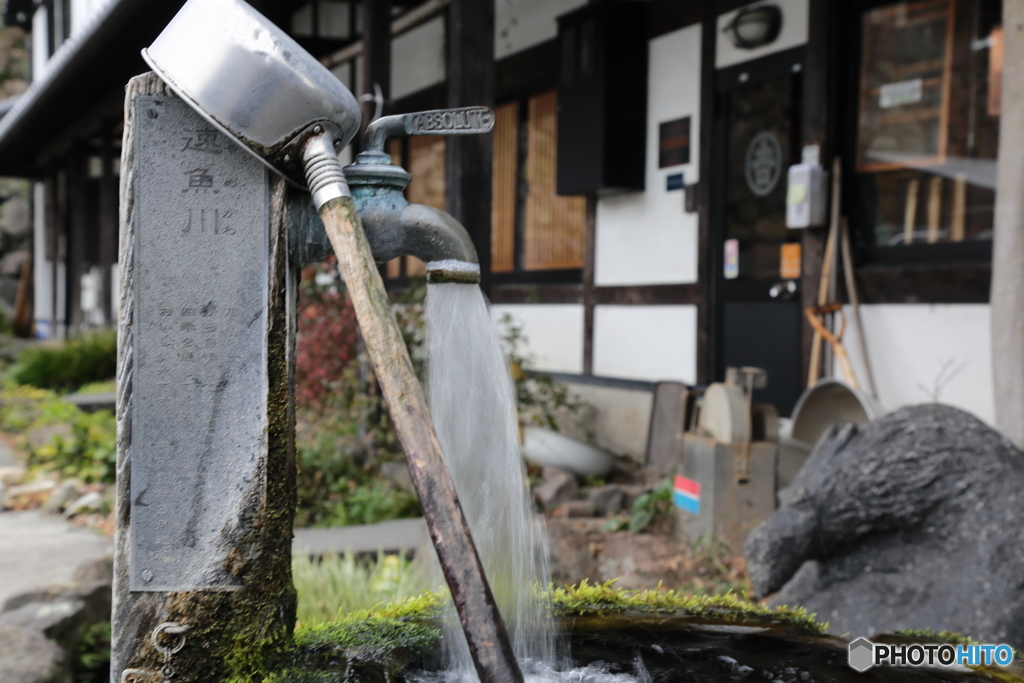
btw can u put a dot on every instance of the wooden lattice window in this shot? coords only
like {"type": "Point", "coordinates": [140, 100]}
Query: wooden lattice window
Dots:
{"type": "Point", "coordinates": [426, 163]}
{"type": "Point", "coordinates": [503, 188]}
{"type": "Point", "coordinates": [555, 226]}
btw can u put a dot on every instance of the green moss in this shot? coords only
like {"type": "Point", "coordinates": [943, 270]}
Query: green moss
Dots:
{"type": "Point", "coordinates": [929, 636]}
{"type": "Point", "coordinates": [604, 599]}
{"type": "Point", "coordinates": [942, 637]}
{"type": "Point", "coordinates": [376, 634]}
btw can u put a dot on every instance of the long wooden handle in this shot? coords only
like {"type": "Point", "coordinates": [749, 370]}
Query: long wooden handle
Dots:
{"type": "Point", "coordinates": [488, 638]}
{"type": "Point", "coordinates": [814, 371]}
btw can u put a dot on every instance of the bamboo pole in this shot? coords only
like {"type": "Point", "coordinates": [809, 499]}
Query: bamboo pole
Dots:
{"type": "Point", "coordinates": [814, 372]}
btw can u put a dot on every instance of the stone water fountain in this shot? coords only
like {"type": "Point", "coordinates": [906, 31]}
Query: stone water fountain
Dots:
{"type": "Point", "coordinates": [210, 230]}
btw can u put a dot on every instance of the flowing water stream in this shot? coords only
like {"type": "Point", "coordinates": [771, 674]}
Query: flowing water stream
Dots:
{"type": "Point", "coordinates": [473, 405]}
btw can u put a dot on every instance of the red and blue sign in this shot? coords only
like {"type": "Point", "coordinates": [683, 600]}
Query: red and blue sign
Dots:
{"type": "Point", "coordinates": [686, 494]}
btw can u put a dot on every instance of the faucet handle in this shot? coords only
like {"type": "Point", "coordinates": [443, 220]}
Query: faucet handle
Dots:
{"type": "Point", "coordinates": [461, 121]}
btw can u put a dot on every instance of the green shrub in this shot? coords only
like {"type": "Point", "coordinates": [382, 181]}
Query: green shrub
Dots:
{"type": "Point", "coordinates": [88, 448]}
{"type": "Point", "coordinates": [89, 358]}
{"type": "Point", "coordinates": [337, 488]}
{"type": "Point", "coordinates": [344, 430]}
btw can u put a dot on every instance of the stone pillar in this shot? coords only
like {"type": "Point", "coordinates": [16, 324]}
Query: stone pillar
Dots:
{"type": "Point", "coordinates": [205, 450]}
{"type": "Point", "coordinates": [1007, 301]}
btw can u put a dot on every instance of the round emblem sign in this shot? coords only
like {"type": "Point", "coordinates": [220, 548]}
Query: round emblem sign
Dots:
{"type": "Point", "coordinates": [764, 163]}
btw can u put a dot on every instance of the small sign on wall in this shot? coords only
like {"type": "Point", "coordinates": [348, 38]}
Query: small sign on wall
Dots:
{"type": "Point", "coordinates": [674, 142]}
{"type": "Point", "coordinates": [674, 181]}
{"type": "Point", "coordinates": [789, 261]}
{"type": "Point", "coordinates": [731, 269]}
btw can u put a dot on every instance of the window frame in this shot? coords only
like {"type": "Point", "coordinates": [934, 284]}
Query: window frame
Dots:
{"type": "Point", "coordinates": [875, 263]}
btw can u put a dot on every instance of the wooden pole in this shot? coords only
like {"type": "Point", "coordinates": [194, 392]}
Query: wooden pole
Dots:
{"type": "Point", "coordinates": [814, 373]}
{"type": "Point", "coordinates": [851, 293]}
{"type": "Point", "coordinates": [488, 640]}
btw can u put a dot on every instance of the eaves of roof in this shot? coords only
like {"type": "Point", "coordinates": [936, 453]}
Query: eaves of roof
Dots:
{"type": "Point", "coordinates": [96, 62]}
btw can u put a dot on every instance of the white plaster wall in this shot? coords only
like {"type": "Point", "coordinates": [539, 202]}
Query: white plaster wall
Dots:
{"type": "Point", "coordinates": [84, 10]}
{"type": "Point", "coordinates": [418, 58]}
{"type": "Point", "coordinates": [646, 342]}
{"type": "Point", "coordinates": [793, 33]}
{"type": "Point", "coordinates": [554, 334]}
{"type": "Point", "coordinates": [646, 237]}
{"type": "Point", "coordinates": [40, 43]}
{"type": "Point", "coordinates": [42, 269]}
{"type": "Point", "coordinates": [920, 350]}
{"type": "Point", "coordinates": [519, 24]}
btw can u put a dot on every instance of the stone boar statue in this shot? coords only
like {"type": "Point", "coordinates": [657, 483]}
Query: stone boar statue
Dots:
{"type": "Point", "coordinates": [913, 521]}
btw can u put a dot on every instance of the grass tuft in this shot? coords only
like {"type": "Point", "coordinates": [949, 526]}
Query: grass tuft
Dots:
{"type": "Point", "coordinates": [335, 585]}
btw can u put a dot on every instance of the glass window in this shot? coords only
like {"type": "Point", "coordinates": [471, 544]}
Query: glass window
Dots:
{"type": "Point", "coordinates": [928, 121]}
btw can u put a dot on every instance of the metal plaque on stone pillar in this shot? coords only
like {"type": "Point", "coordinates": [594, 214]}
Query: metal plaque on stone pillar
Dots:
{"type": "Point", "coordinates": [200, 382]}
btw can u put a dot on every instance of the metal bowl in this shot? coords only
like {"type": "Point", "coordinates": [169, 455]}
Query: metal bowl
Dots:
{"type": "Point", "coordinates": [249, 79]}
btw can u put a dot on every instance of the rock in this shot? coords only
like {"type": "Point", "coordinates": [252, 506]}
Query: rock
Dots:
{"type": "Point", "coordinates": [607, 500]}
{"type": "Point", "coordinates": [66, 493]}
{"type": "Point", "coordinates": [90, 502]}
{"type": "Point", "coordinates": [12, 476]}
{"type": "Point", "coordinates": [574, 508]}
{"type": "Point", "coordinates": [99, 570]}
{"type": "Point", "coordinates": [579, 550]}
{"type": "Point", "coordinates": [398, 474]}
{"type": "Point", "coordinates": [12, 262]}
{"type": "Point", "coordinates": [28, 495]}
{"type": "Point", "coordinates": [44, 435]}
{"type": "Point", "coordinates": [94, 595]}
{"type": "Point", "coordinates": [615, 498]}
{"type": "Point", "coordinates": [913, 521]}
{"type": "Point", "coordinates": [59, 614]}
{"type": "Point", "coordinates": [15, 216]}
{"type": "Point", "coordinates": [26, 656]}
{"type": "Point", "coordinates": [557, 487]}
{"type": "Point", "coordinates": [58, 620]}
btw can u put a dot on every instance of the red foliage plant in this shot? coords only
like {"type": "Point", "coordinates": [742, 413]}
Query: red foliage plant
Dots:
{"type": "Point", "coordinates": [328, 337]}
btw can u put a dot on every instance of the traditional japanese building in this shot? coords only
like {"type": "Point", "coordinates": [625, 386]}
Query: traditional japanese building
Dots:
{"type": "Point", "coordinates": [630, 208]}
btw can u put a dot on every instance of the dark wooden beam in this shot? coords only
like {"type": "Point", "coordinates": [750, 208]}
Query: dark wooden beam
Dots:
{"type": "Point", "coordinates": [54, 229]}
{"type": "Point", "coordinates": [537, 294]}
{"type": "Point", "coordinates": [108, 228]}
{"type": "Point", "coordinates": [924, 284]}
{"type": "Point", "coordinates": [77, 234]}
{"type": "Point", "coordinates": [589, 256]}
{"type": "Point", "coordinates": [637, 295]}
{"type": "Point", "coordinates": [433, 97]}
{"type": "Point", "coordinates": [815, 115]}
{"type": "Point", "coordinates": [376, 56]}
{"type": "Point", "coordinates": [707, 251]}
{"type": "Point", "coordinates": [528, 71]}
{"type": "Point", "coordinates": [471, 82]}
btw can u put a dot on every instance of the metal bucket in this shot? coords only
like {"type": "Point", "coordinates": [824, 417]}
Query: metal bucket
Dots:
{"type": "Point", "coordinates": [252, 81]}
{"type": "Point", "coordinates": [829, 402]}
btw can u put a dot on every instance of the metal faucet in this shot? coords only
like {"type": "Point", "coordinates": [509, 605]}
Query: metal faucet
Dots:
{"type": "Point", "coordinates": [394, 227]}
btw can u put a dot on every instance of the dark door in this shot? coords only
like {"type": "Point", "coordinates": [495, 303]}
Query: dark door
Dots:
{"type": "Point", "coordinates": [757, 305]}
